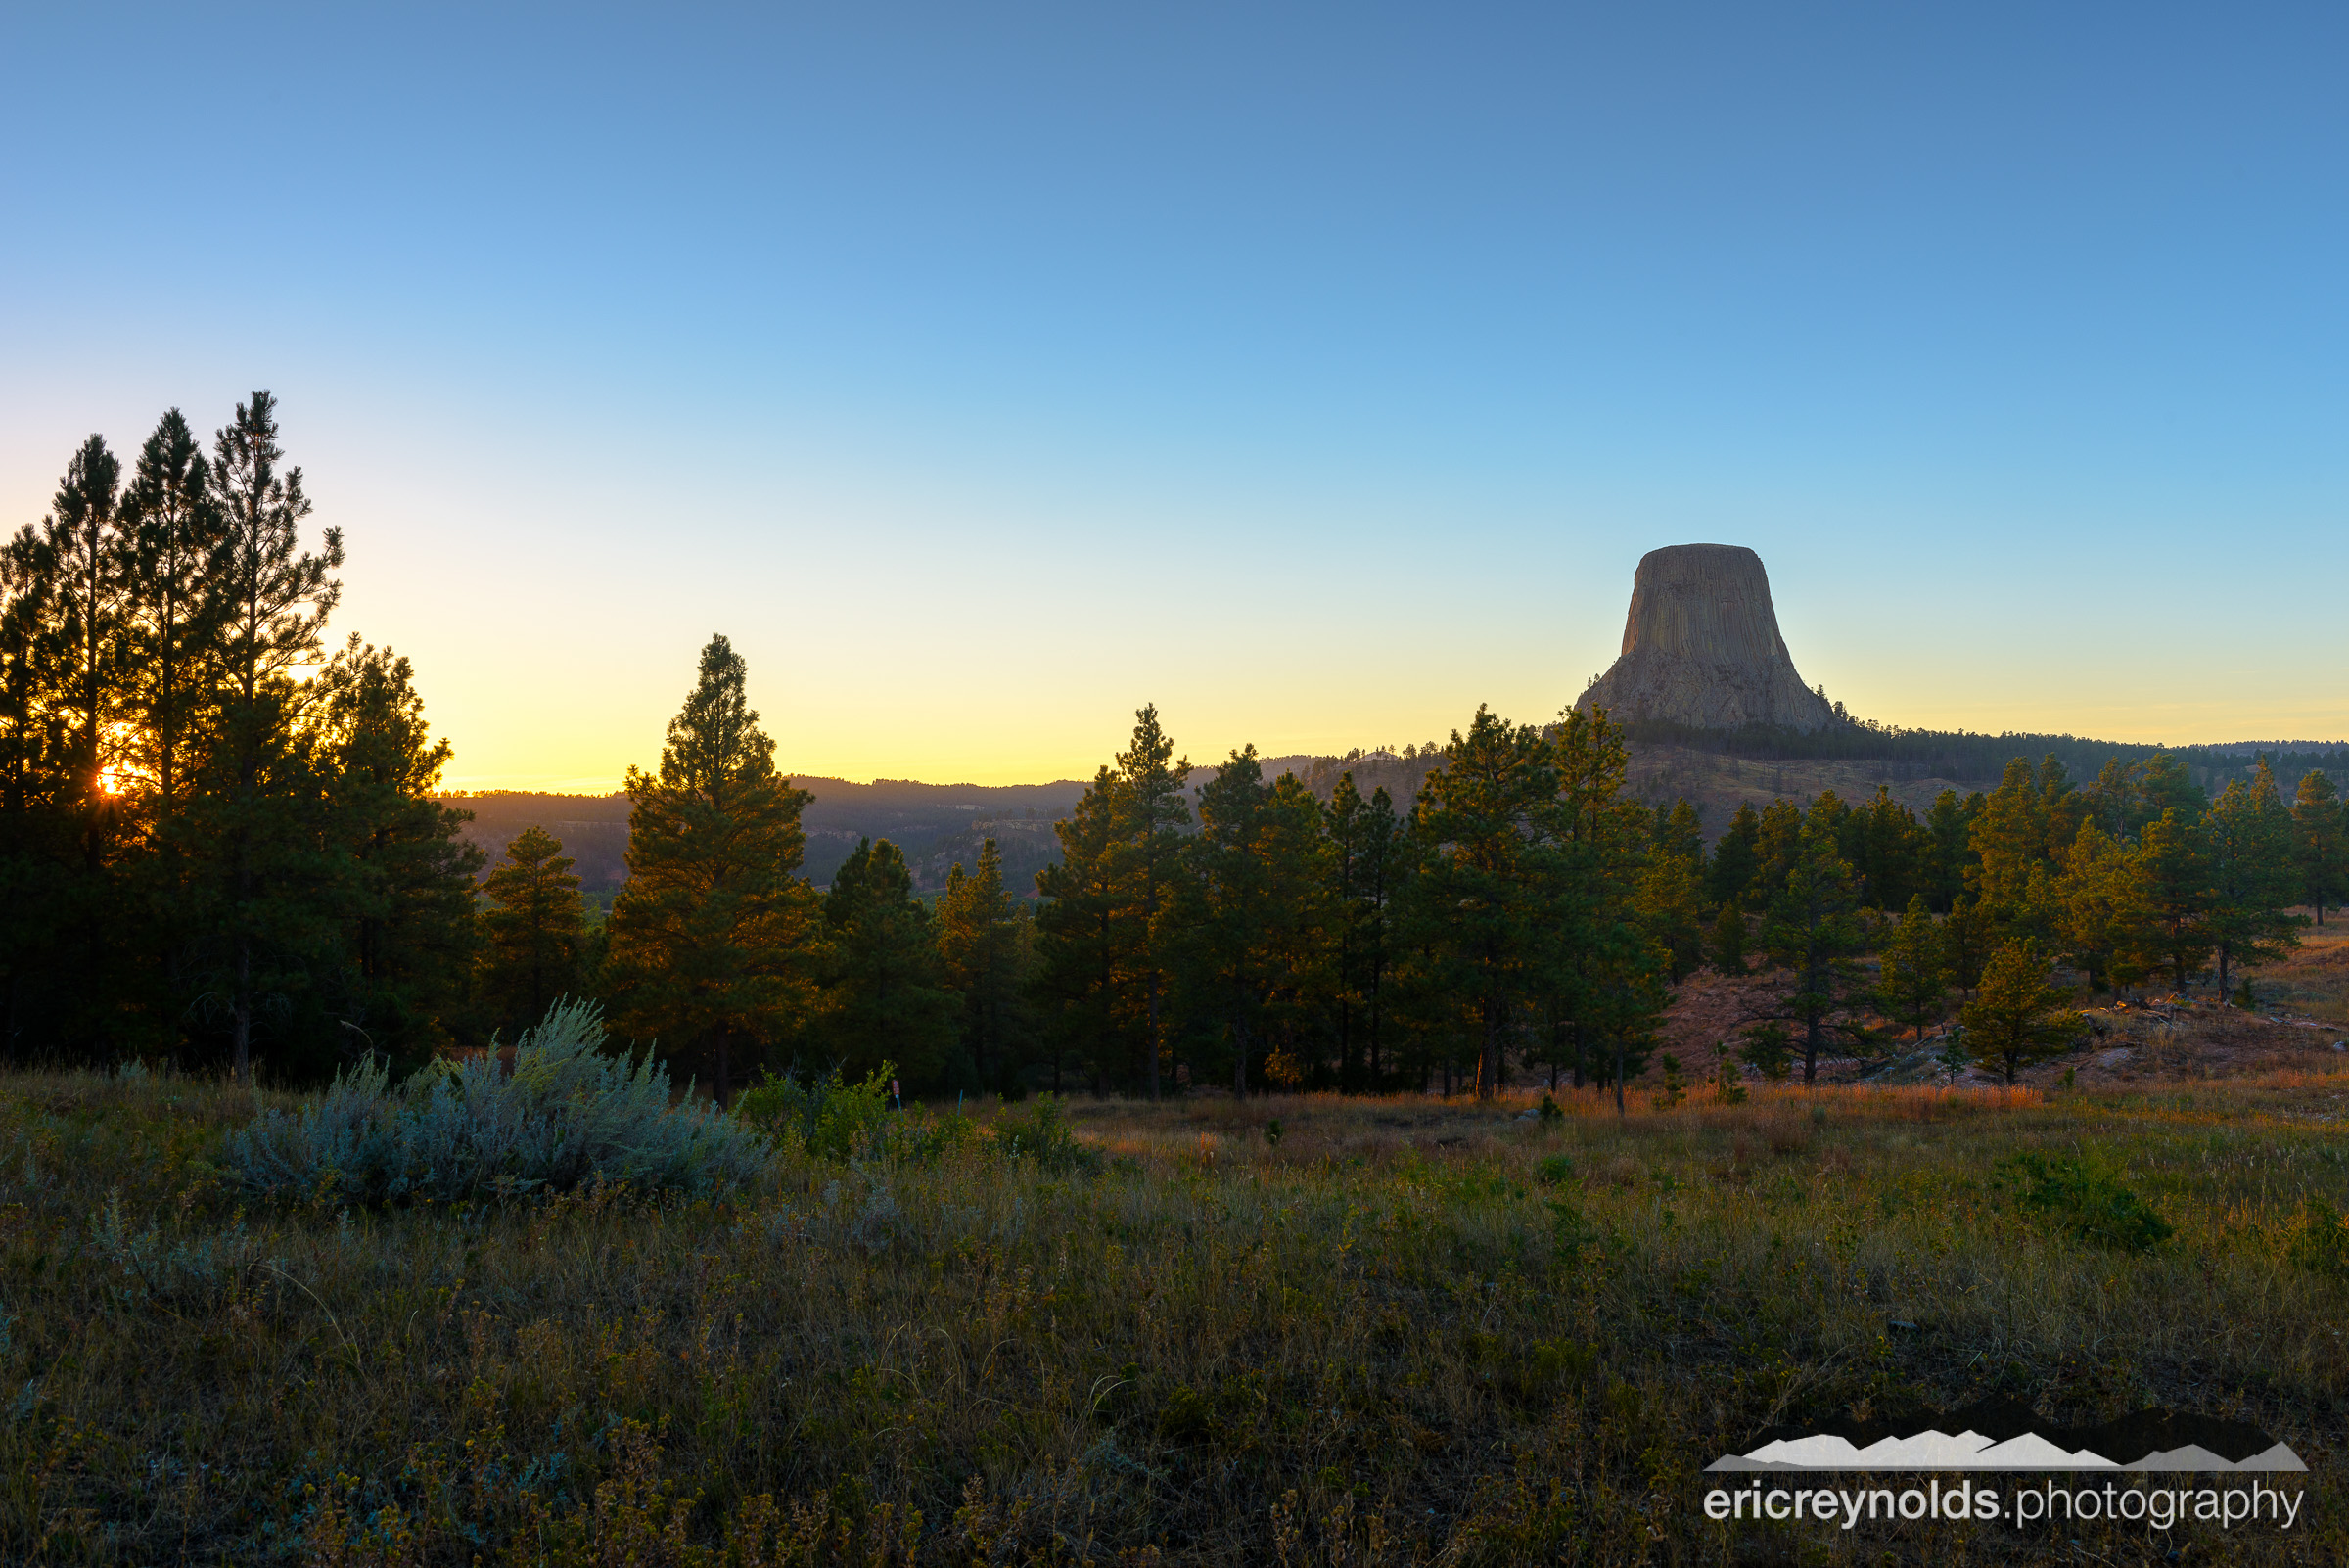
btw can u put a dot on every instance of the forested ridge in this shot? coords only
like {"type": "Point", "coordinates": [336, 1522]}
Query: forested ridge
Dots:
{"type": "Point", "coordinates": [224, 842]}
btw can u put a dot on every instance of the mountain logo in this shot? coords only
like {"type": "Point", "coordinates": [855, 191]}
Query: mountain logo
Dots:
{"type": "Point", "coordinates": [2002, 1435]}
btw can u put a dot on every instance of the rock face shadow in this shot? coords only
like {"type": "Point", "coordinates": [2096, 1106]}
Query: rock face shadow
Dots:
{"type": "Point", "coordinates": [1701, 648]}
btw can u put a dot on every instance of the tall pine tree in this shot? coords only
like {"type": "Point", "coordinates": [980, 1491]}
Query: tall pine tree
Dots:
{"type": "Point", "coordinates": [265, 910]}
{"type": "Point", "coordinates": [1369, 861]}
{"type": "Point", "coordinates": [712, 939]}
{"type": "Point", "coordinates": [408, 892]}
{"type": "Point", "coordinates": [1489, 878]}
{"type": "Point", "coordinates": [2252, 875]}
{"type": "Point", "coordinates": [174, 543]}
{"type": "Point", "coordinates": [1147, 869]}
{"type": "Point", "coordinates": [1079, 935]}
{"type": "Point", "coordinates": [2320, 849]}
{"type": "Point", "coordinates": [980, 941]}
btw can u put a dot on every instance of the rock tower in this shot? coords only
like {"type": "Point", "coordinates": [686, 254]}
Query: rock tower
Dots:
{"type": "Point", "coordinates": [1701, 647]}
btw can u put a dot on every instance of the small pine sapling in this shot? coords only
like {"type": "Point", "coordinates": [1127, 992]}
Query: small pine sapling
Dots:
{"type": "Point", "coordinates": [1767, 1051]}
{"type": "Point", "coordinates": [1675, 1087]}
{"type": "Point", "coordinates": [1727, 1080]}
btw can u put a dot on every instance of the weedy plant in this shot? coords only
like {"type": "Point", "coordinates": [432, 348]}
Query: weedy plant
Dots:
{"type": "Point", "coordinates": [1042, 1136]}
{"type": "Point", "coordinates": [825, 1117]}
{"type": "Point", "coordinates": [2320, 1239]}
{"type": "Point", "coordinates": [2086, 1198]}
{"type": "Point", "coordinates": [567, 1114]}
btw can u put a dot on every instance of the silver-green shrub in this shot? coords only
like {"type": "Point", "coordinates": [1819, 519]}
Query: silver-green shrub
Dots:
{"type": "Point", "coordinates": [567, 1114]}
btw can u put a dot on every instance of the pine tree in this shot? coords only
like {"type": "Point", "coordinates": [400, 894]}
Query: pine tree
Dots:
{"type": "Point", "coordinates": [266, 906]}
{"type": "Point", "coordinates": [978, 939]}
{"type": "Point", "coordinates": [1727, 946]}
{"type": "Point", "coordinates": [35, 791]}
{"type": "Point", "coordinates": [83, 661]}
{"type": "Point", "coordinates": [2175, 855]}
{"type": "Point", "coordinates": [1229, 915]}
{"type": "Point", "coordinates": [1777, 849]}
{"type": "Point", "coordinates": [1893, 855]}
{"type": "Point", "coordinates": [1736, 858]}
{"type": "Point", "coordinates": [409, 893]}
{"type": "Point", "coordinates": [2018, 1018]}
{"type": "Point", "coordinates": [1812, 929]}
{"type": "Point", "coordinates": [1670, 903]}
{"type": "Point", "coordinates": [2252, 875]}
{"type": "Point", "coordinates": [1609, 964]}
{"type": "Point", "coordinates": [1965, 943]}
{"type": "Point", "coordinates": [1912, 981]}
{"type": "Point", "coordinates": [1948, 831]}
{"type": "Point", "coordinates": [2008, 840]}
{"type": "Point", "coordinates": [174, 538]}
{"type": "Point", "coordinates": [887, 1002]}
{"type": "Point", "coordinates": [1369, 864]}
{"type": "Point", "coordinates": [2319, 846]}
{"type": "Point", "coordinates": [1078, 933]}
{"type": "Point", "coordinates": [1679, 830]}
{"type": "Point", "coordinates": [1147, 870]}
{"type": "Point", "coordinates": [2105, 921]}
{"type": "Point", "coordinates": [1299, 954]}
{"type": "Point", "coordinates": [2166, 785]}
{"type": "Point", "coordinates": [534, 934]}
{"type": "Point", "coordinates": [2061, 811]}
{"type": "Point", "coordinates": [1489, 878]}
{"type": "Point", "coordinates": [83, 534]}
{"type": "Point", "coordinates": [711, 940]}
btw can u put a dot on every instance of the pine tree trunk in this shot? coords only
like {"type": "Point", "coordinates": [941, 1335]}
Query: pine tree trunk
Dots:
{"type": "Point", "coordinates": [1153, 1040]}
{"type": "Point", "coordinates": [1344, 1046]}
{"type": "Point", "coordinates": [240, 1012]}
{"type": "Point", "coordinates": [1487, 1070]}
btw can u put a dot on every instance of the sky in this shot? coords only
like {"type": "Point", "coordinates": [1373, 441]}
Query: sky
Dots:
{"type": "Point", "coordinates": [1316, 373]}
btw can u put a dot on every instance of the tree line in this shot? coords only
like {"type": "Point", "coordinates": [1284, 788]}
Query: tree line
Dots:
{"type": "Point", "coordinates": [1522, 915]}
{"type": "Point", "coordinates": [216, 837]}
{"type": "Point", "coordinates": [220, 842]}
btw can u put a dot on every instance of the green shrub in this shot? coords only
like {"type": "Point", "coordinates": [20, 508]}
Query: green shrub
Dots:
{"type": "Point", "coordinates": [565, 1115]}
{"type": "Point", "coordinates": [2321, 1241]}
{"type": "Point", "coordinates": [2086, 1198]}
{"type": "Point", "coordinates": [1556, 1169]}
{"type": "Point", "coordinates": [1548, 1114]}
{"type": "Point", "coordinates": [825, 1117]}
{"type": "Point", "coordinates": [1042, 1135]}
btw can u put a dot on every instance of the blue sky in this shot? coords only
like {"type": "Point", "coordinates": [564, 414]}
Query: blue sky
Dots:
{"type": "Point", "coordinates": [1316, 372]}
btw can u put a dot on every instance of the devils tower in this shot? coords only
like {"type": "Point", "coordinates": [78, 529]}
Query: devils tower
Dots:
{"type": "Point", "coordinates": [1701, 647]}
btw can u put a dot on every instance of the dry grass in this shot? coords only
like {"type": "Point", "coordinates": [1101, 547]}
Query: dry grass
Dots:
{"type": "Point", "coordinates": [1402, 1333]}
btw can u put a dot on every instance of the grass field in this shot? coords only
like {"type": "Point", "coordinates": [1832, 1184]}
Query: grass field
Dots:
{"type": "Point", "coordinates": [1406, 1331]}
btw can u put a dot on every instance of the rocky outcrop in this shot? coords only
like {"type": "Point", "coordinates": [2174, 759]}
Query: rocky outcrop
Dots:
{"type": "Point", "coordinates": [1701, 648]}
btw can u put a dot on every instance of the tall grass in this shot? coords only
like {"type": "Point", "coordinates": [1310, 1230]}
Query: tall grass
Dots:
{"type": "Point", "coordinates": [1396, 1335]}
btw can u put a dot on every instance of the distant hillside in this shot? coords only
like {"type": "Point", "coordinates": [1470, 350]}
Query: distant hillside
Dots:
{"type": "Point", "coordinates": [923, 819]}
{"type": "Point", "coordinates": [937, 825]}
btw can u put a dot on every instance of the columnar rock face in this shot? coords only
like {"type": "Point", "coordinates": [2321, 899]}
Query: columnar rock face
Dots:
{"type": "Point", "coordinates": [1701, 647]}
